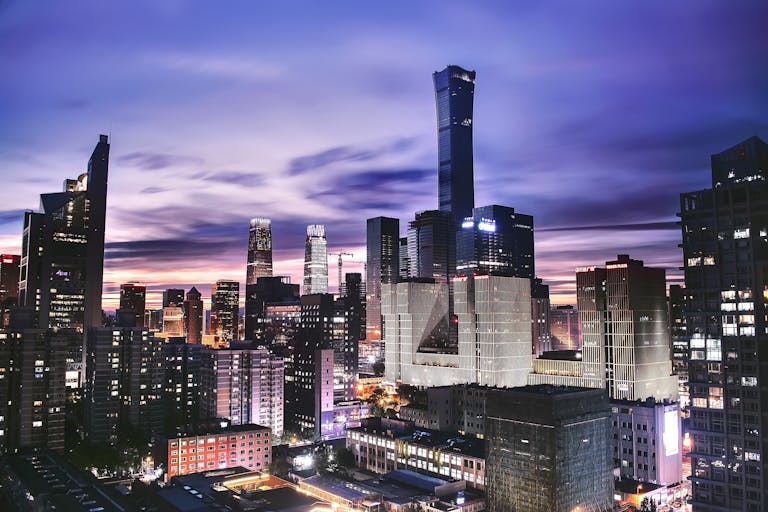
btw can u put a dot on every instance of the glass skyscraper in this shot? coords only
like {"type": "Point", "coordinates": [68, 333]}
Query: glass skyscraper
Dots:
{"type": "Point", "coordinates": [62, 260]}
{"type": "Point", "coordinates": [725, 257]}
{"type": "Point", "coordinates": [382, 266]}
{"type": "Point", "coordinates": [316, 260]}
{"type": "Point", "coordinates": [225, 310]}
{"type": "Point", "coordinates": [259, 250]}
{"type": "Point", "coordinates": [454, 94]}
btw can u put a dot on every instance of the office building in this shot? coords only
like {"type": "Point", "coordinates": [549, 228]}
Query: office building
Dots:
{"type": "Point", "coordinates": [9, 276]}
{"type": "Point", "coordinates": [454, 96]}
{"type": "Point", "coordinates": [382, 266]}
{"type": "Point", "coordinates": [173, 297]}
{"type": "Point", "coordinates": [648, 441]}
{"type": "Point", "coordinates": [495, 240]}
{"type": "Point", "coordinates": [125, 373]}
{"type": "Point", "coordinates": [431, 246]}
{"type": "Point", "coordinates": [183, 364]}
{"type": "Point", "coordinates": [173, 321]}
{"type": "Point", "coordinates": [259, 250]}
{"type": "Point", "coordinates": [243, 385]}
{"type": "Point", "coordinates": [32, 389]}
{"type": "Point", "coordinates": [153, 320]}
{"type": "Point", "coordinates": [315, 260]}
{"type": "Point", "coordinates": [211, 447]}
{"type": "Point", "coordinates": [624, 331]}
{"type": "Point", "coordinates": [679, 333]}
{"type": "Point", "coordinates": [548, 448]}
{"type": "Point", "coordinates": [354, 308]}
{"type": "Point", "coordinates": [460, 408]}
{"type": "Point", "coordinates": [132, 302]}
{"type": "Point", "coordinates": [266, 291]}
{"type": "Point", "coordinates": [540, 336]}
{"type": "Point", "coordinates": [493, 318]}
{"type": "Point", "coordinates": [225, 311]}
{"type": "Point", "coordinates": [382, 445]}
{"type": "Point", "coordinates": [193, 316]}
{"type": "Point", "coordinates": [564, 328]}
{"type": "Point", "coordinates": [62, 258]}
{"type": "Point", "coordinates": [724, 233]}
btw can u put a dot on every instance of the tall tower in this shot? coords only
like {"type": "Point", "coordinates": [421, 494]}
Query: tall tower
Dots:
{"type": "Point", "coordinates": [725, 252]}
{"type": "Point", "coordinates": [259, 250]}
{"type": "Point", "coordinates": [316, 260]}
{"type": "Point", "coordinates": [62, 260]}
{"type": "Point", "coordinates": [193, 316]}
{"type": "Point", "coordinates": [382, 266]}
{"type": "Point", "coordinates": [454, 95]}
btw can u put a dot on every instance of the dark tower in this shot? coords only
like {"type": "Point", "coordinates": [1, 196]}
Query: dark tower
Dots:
{"type": "Point", "coordinates": [193, 316]}
{"type": "Point", "coordinates": [454, 93]}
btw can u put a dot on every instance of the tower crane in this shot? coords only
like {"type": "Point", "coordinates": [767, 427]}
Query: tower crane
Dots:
{"type": "Point", "coordinates": [341, 255]}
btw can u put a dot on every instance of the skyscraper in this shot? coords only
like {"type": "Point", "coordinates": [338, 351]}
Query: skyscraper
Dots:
{"type": "Point", "coordinates": [564, 328]}
{"type": "Point", "coordinates": [541, 337]}
{"type": "Point", "coordinates": [454, 96]}
{"type": "Point", "coordinates": [266, 290]}
{"type": "Point", "coordinates": [62, 259]}
{"type": "Point", "coordinates": [495, 239]}
{"type": "Point", "coordinates": [225, 310]}
{"type": "Point", "coordinates": [725, 247]}
{"type": "Point", "coordinates": [382, 266]}
{"type": "Point", "coordinates": [431, 249]}
{"type": "Point", "coordinates": [9, 276]}
{"type": "Point", "coordinates": [316, 260]}
{"type": "Point", "coordinates": [259, 250]}
{"type": "Point", "coordinates": [193, 316]}
{"type": "Point", "coordinates": [132, 302]}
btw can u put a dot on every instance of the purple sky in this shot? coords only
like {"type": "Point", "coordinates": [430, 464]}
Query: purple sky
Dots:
{"type": "Point", "coordinates": [593, 115]}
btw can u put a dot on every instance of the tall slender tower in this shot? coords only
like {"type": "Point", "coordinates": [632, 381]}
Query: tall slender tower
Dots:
{"type": "Point", "coordinates": [316, 260]}
{"type": "Point", "coordinates": [725, 256]}
{"type": "Point", "coordinates": [454, 94]}
{"type": "Point", "coordinates": [193, 316]}
{"type": "Point", "coordinates": [62, 260]}
{"type": "Point", "coordinates": [259, 250]}
{"type": "Point", "coordinates": [382, 266]}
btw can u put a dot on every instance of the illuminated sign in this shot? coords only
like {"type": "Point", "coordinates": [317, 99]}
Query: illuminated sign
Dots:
{"type": "Point", "coordinates": [671, 436]}
{"type": "Point", "coordinates": [585, 269]}
{"type": "Point", "coordinates": [616, 265]}
{"type": "Point", "coordinates": [468, 224]}
{"type": "Point", "coordinates": [485, 225]}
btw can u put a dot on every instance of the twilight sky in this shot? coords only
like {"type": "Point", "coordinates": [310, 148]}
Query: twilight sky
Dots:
{"type": "Point", "coordinates": [590, 116]}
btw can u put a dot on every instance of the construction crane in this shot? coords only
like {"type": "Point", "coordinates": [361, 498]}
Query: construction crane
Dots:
{"type": "Point", "coordinates": [341, 254]}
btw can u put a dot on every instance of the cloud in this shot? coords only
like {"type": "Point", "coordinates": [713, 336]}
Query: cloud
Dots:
{"type": "Point", "coordinates": [640, 226]}
{"type": "Point", "coordinates": [249, 179]}
{"type": "Point", "coordinates": [153, 190]}
{"type": "Point", "coordinates": [11, 216]}
{"type": "Point", "coordinates": [340, 154]}
{"type": "Point", "coordinates": [241, 67]}
{"type": "Point", "coordinates": [149, 161]}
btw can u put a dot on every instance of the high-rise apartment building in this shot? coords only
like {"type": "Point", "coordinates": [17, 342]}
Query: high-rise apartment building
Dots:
{"type": "Point", "coordinates": [548, 448]}
{"type": "Point", "coordinates": [259, 250]}
{"type": "Point", "coordinates": [183, 363]}
{"type": "Point", "coordinates": [62, 259]}
{"type": "Point", "coordinates": [258, 295]}
{"type": "Point", "coordinates": [725, 248]}
{"type": "Point", "coordinates": [382, 266]}
{"type": "Point", "coordinates": [193, 316]}
{"type": "Point", "coordinates": [133, 301]}
{"type": "Point", "coordinates": [243, 385]}
{"type": "Point", "coordinates": [225, 310]}
{"type": "Point", "coordinates": [173, 297]}
{"type": "Point", "coordinates": [454, 96]}
{"type": "Point", "coordinates": [495, 239]}
{"type": "Point", "coordinates": [315, 260]}
{"type": "Point", "coordinates": [32, 389]}
{"type": "Point", "coordinates": [125, 372]}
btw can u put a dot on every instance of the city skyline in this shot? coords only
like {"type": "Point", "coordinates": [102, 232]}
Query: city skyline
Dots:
{"type": "Point", "coordinates": [207, 134]}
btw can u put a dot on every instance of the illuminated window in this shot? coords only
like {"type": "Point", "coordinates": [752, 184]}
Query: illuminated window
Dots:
{"type": "Point", "coordinates": [740, 233]}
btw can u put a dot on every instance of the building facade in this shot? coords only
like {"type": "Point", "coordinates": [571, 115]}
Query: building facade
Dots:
{"type": "Point", "coordinates": [564, 328]}
{"type": "Point", "coordinates": [315, 260]}
{"type": "Point", "coordinates": [193, 316]}
{"type": "Point", "coordinates": [548, 449]}
{"type": "Point", "coordinates": [133, 302]}
{"type": "Point", "coordinates": [276, 290]}
{"type": "Point", "coordinates": [259, 250]}
{"type": "Point", "coordinates": [725, 249]}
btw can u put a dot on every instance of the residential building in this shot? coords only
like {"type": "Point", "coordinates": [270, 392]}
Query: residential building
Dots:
{"type": "Point", "coordinates": [725, 246]}
{"type": "Point", "coordinates": [548, 448]}
{"type": "Point", "coordinates": [183, 363]}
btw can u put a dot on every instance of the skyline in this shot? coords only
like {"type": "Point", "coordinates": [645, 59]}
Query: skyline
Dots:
{"type": "Point", "coordinates": [207, 134]}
